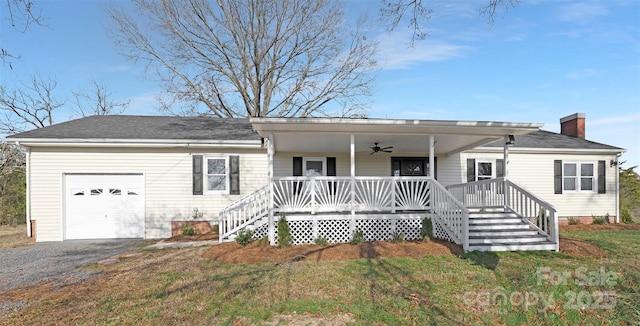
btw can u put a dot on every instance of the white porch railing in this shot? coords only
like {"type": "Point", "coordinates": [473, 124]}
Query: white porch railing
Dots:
{"type": "Point", "coordinates": [501, 193]}
{"type": "Point", "coordinates": [351, 195]}
{"type": "Point", "coordinates": [243, 212]}
{"type": "Point", "coordinates": [480, 194]}
{"type": "Point", "coordinates": [345, 194]}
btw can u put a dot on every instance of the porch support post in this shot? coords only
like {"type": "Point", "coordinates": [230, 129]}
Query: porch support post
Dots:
{"type": "Point", "coordinates": [270, 153]}
{"type": "Point", "coordinates": [432, 168]}
{"type": "Point", "coordinates": [506, 158]}
{"type": "Point", "coordinates": [505, 170]}
{"type": "Point", "coordinates": [352, 184]}
{"type": "Point", "coordinates": [432, 155]}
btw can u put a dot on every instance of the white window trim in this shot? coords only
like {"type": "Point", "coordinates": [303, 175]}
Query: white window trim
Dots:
{"type": "Point", "coordinates": [594, 177]}
{"type": "Point", "coordinates": [493, 168]}
{"type": "Point", "coordinates": [322, 159]}
{"type": "Point", "coordinates": [205, 175]}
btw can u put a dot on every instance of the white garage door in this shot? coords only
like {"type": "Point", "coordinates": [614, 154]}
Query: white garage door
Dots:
{"type": "Point", "coordinates": [104, 206]}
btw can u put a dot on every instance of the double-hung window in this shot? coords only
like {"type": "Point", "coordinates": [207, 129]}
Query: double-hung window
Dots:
{"type": "Point", "coordinates": [216, 180]}
{"type": "Point", "coordinates": [578, 176]}
{"type": "Point", "coordinates": [478, 170]}
{"type": "Point", "coordinates": [484, 170]}
{"type": "Point", "coordinates": [216, 174]}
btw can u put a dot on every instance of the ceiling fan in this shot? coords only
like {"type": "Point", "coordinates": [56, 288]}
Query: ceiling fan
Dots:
{"type": "Point", "coordinates": [376, 149]}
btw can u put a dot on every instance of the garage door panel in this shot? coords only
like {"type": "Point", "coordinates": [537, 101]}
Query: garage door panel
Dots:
{"type": "Point", "coordinates": [104, 206]}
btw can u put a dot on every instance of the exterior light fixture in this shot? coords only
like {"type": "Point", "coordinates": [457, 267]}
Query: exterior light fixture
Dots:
{"type": "Point", "coordinates": [511, 140]}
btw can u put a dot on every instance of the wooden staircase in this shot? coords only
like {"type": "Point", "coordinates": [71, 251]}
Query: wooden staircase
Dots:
{"type": "Point", "coordinates": [504, 231]}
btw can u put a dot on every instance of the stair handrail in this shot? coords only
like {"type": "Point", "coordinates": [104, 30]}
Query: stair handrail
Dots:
{"type": "Point", "coordinates": [243, 211]}
{"type": "Point", "coordinates": [537, 212]}
{"type": "Point", "coordinates": [451, 213]}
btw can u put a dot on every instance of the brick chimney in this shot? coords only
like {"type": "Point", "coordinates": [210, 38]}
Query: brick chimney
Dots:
{"type": "Point", "coordinates": [573, 125]}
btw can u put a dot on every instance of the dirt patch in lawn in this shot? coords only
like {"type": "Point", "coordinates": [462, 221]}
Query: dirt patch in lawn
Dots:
{"type": "Point", "coordinates": [600, 227]}
{"type": "Point", "coordinates": [233, 252]}
{"type": "Point", "coordinates": [580, 248]}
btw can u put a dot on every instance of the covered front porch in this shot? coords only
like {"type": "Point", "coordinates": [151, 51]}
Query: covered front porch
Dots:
{"type": "Point", "coordinates": [331, 177]}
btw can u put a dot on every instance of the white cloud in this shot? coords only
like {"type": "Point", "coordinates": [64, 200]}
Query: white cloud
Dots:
{"type": "Point", "coordinates": [629, 118]}
{"type": "Point", "coordinates": [116, 68]}
{"type": "Point", "coordinates": [582, 74]}
{"type": "Point", "coordinates": [144, 104]}
{"type": "Point", "coordinates": [581, 12]}
{"type": "Point", "coordinates": [516, 37]}
{"type": "Point", "coordinates": [395, 53]}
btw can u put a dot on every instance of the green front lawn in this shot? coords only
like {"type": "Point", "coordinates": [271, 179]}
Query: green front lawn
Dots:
{"type": "Point", "coordinates": [535, 288]}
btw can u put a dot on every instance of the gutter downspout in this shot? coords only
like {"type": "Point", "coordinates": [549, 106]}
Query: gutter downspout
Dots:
{"type": "Point", "coordinates": [617, 188]}
{"type": "Point", "coordinates": [27, 160]}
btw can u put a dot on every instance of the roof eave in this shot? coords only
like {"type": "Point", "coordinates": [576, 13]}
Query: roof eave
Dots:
{"type": "Point", "coordinates": [264, 126]}
{"type": "Point", "coordinates": [551, 150]}
{"type": "Point", "coordinates": [81, 142]}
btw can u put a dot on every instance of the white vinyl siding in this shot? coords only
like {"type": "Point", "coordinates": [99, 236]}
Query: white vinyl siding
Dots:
{"type": "Point", "coordinates": [450, 170]}
{"type": "Point", "coordinates": [168, 183]}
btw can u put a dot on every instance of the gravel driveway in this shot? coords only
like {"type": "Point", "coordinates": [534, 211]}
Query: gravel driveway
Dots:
{"type": "Point", "coordinates": [57, 262]}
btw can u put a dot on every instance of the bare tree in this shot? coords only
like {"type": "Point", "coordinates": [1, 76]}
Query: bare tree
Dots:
{"type": "Point", "coordinates": [22, 14]}
{"type": "Point", "coordinates": [251, 57]}
{"type": "Point", "coordinates": [416, 12]}
{"type": "Point", "coordinates": [30, 106]}
{"type": "Point", "coordinates": [494, 5]}
{"type": "Point", "coordinates": [393, 12]}
{"type": "Point", "coordinates": [99, 101]}
{"type": "Point", "coordinates": [11, 158]}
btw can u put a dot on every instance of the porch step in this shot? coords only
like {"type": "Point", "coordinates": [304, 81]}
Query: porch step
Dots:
{"type": "Point", "coordinates": [510, 239]}
{"type": "Point", "coordinates": [543, 245]}
{"type": "Point", "coordinates": [503, 232]}
{"type": "Point", "coordinates": [481, 215]}
{"type": "Point", "coordinates": [498, 226]}
{"type": "Point", "coordinates": [479, 221]}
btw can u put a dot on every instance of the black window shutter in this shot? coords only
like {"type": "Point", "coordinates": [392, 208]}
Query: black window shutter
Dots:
{"type": "Point", "coordinates": [471, 170]}
{"type": "Point", "coordinates": [197, 175]}
{"type": "Point", "coordinates": [297, 172]}
{"type": "Point", "coordinates": [499, 168]}
{"type": "Point", "coordinates": [331, 167]}
{"type": "Point", "coordinates": [435, 168]}
{"type": "Point", "coordinates": [331, 172]}
{"type": "Point", "coordinates": [557, 177]}
{"type": "Point", "coordinates": [297, 166]}
{"type": "Point", "coordinates": [234, 174]}
{"type": "Point", "coordinates": [602, 181]}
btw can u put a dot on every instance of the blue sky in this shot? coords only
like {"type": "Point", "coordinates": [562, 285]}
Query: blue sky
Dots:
{"type": "Point", "coordinates": [541, 61]}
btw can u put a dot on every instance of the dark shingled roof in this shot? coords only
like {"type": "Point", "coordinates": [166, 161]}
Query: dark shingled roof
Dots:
{"type": "Point", "coordinates": [548, 139]}
{"type": "Point", "coordinates": [147, 127]}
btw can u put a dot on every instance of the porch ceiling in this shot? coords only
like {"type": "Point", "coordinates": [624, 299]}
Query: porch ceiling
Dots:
{"type": "Point", "coordinates": [408, 136]}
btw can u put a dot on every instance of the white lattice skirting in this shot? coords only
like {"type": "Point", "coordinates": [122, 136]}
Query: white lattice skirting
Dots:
{"type": "Point", "coordinates": [340, 228]}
